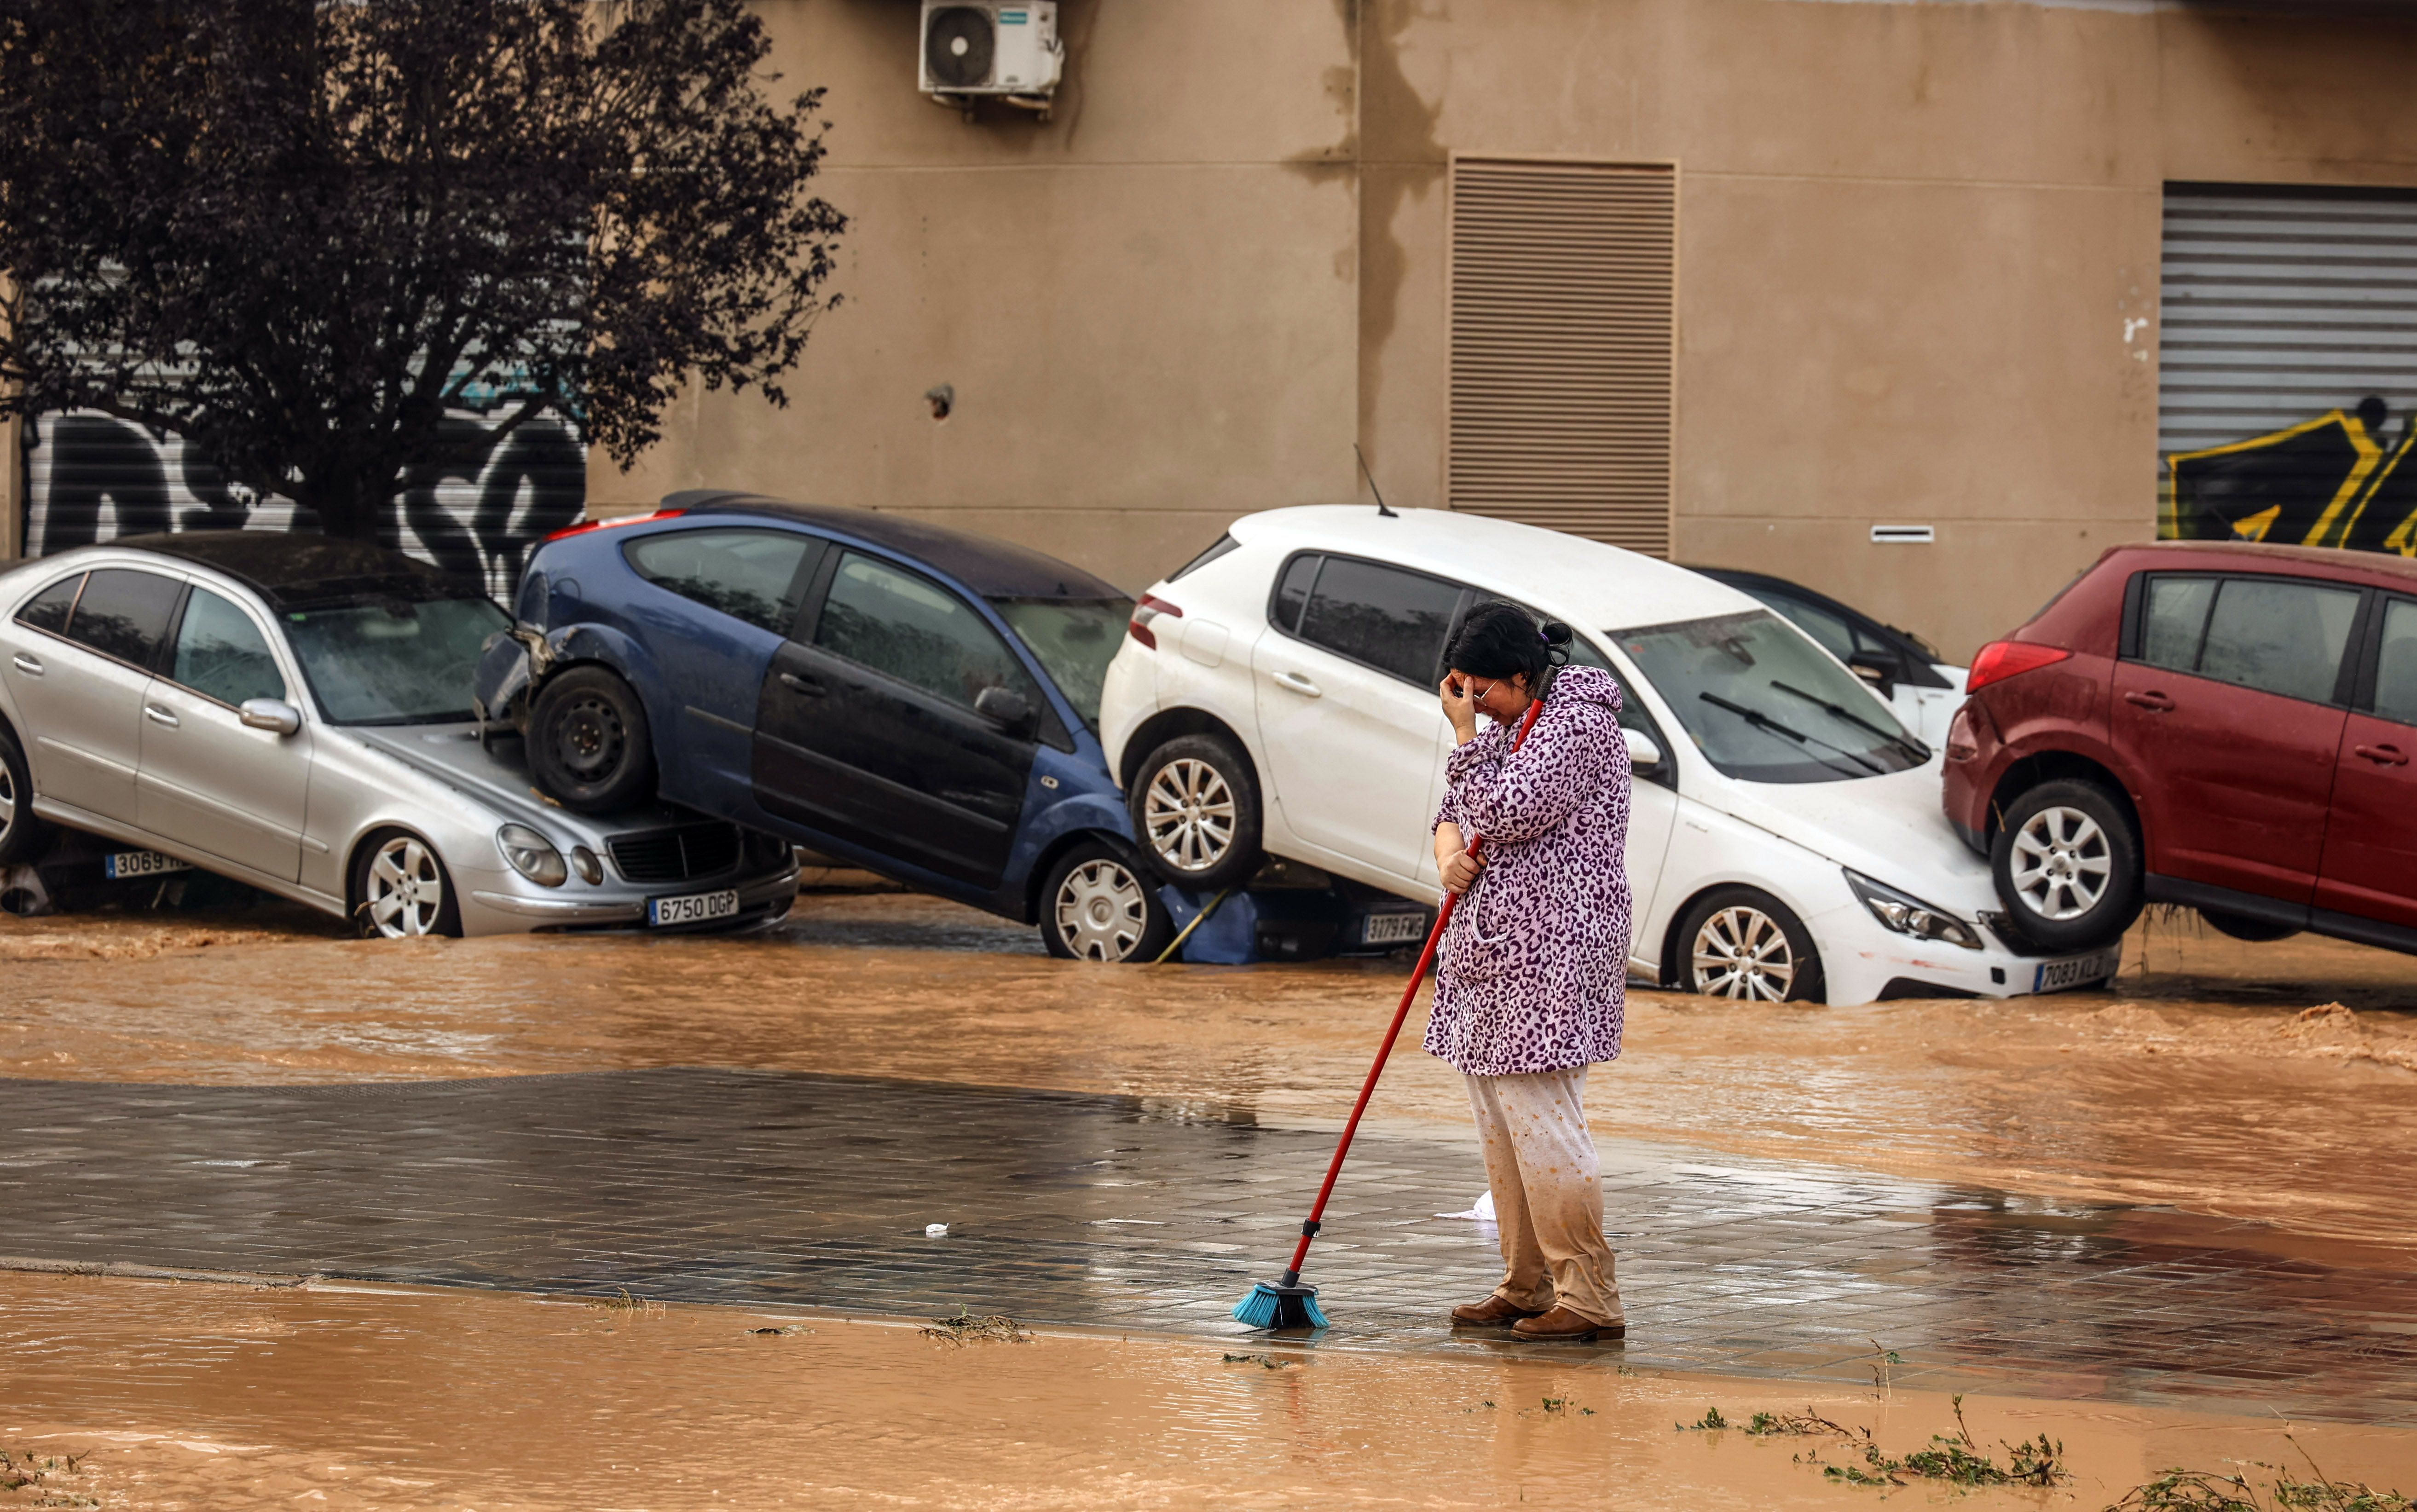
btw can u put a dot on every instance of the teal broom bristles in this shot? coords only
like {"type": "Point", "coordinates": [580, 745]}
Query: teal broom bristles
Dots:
{"type": "Point", "coordinates": [1286, 1304]}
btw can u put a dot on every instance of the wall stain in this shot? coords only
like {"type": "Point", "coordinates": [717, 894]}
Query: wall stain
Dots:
{"type": "Point", "coordinates": [1398, 126]}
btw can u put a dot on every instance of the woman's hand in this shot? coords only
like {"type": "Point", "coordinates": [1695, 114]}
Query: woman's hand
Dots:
{"type": "Point", "coordinates": [1459, 871]}
{"type": "Point", "coordinates": [1460, 707]}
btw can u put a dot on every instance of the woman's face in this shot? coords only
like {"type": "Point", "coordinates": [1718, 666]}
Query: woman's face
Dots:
{"type": "Point", "coordinates": [1505, 697]}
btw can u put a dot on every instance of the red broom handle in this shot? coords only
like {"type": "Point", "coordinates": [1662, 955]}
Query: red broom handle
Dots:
{"type": "Point", "coordinates": [1401, 1016]}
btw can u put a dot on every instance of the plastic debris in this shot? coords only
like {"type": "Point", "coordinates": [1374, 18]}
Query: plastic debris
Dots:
{"type": "Point", "coordinates": [1480, 1211]}
{"type": "Point", "coordinates": [940, 1230]}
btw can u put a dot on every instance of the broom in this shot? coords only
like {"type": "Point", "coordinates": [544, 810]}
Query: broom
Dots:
{"type": "Point", "coordinates": [1287, 1304]}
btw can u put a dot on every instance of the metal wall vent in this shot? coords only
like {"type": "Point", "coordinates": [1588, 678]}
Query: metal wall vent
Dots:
{"type": "Point", "coordinates": [1563, 290]}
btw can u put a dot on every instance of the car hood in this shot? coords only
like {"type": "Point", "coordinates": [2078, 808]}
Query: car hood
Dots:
{"type": "Point", "coordinates": [1891, 828]}
{"type": "Point", "coordinates": [494, 775]}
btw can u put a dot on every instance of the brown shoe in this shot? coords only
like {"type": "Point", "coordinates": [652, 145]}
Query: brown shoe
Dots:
{"type": "Point", "coordinates": [1491, 1313]}
{"type": "Point", "coordinates": [1563, 1326]}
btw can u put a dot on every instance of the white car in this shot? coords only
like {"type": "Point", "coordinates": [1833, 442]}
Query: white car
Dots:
{"type": "Point", "coordinates": [1276, 696]}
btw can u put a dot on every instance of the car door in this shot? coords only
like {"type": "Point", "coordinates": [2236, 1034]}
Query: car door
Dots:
{"type": "Point", "coordinates": [2225, 704]}
{"type": "Point", "coordinates": [2370, 857]}
{"type": "Point", "coordinates": [867, 729]}
{"type": "Point", "coordinates": [206, 780]}
{"type": "Point", "coordinates": [1353, 735]}
{"type": "Point", "coordinates": [720, 603]}
{"type": "Point", "coordinates": [79, 661]}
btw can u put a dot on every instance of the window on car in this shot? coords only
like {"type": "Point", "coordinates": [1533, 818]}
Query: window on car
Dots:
{"type": "Point", "coordinates": [1292, 590]}
{"type": "Point", "coordinates": [2173, 621]}
{"type": "Point", "coordinates": [895, 621]}
{"type": "Point", "coordinates": [48, 610]}
{"type": "Point", "coordinates": [1389, 619]}
{"type": "Point", "coordinates": [394, 662]}
{"type": "Point", "coordinates": [2278, 637]}
{"type": "Point", "coordinates": [1835, 635]}
{"type": "Point", "coordinates": [124, 613]}
{"type": "Point", "coordinates": [221, 653]}
{"type": "Point", "coordinates": [1075, 639]}
{"type": "Point", "coordinates": [1764, 705]}
{"type": "Point", "coordinates": [1224, 545]}
{"type": "Point", "coordinates": [754, 575]}
{"type": "Point", "coordinates": [2395, 663]}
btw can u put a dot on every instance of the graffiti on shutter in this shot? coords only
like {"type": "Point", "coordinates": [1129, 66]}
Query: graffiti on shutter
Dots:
{"type": "Point", "coordinates": [92, 478]}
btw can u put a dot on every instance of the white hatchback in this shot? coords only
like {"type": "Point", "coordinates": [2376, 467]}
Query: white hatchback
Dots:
{"type": "Point", "coordinates": [1275, 698]}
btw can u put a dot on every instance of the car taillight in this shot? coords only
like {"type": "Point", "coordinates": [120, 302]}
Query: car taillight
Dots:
{"type": "Point", "coordinates": [2002, 660]}
{"type": "Point", "coordinates": [1961, 745]}
{"type": "Point", "coordinates": [610, 524]}
{"type": "Point", "coordinates": [1150, 608]}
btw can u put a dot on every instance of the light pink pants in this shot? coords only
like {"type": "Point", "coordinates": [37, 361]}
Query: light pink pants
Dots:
{"type": "Point", "coordinates": [1540, 1161]}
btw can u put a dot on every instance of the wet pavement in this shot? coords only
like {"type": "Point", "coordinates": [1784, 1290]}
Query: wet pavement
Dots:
{"type": "Point", "coordinates": [768, 1188]}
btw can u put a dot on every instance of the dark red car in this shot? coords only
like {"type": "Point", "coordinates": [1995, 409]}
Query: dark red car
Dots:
{"type": "Point", "coordinates": [2217, 724]}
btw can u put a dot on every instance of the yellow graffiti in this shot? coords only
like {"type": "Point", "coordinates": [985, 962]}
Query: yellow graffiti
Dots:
{"type": "Point", "coordinates": [2311, 484]}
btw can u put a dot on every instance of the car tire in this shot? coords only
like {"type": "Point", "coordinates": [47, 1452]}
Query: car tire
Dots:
{"type": "Point", "coordinates": [1741, 942]}
{"type": "Point", "coordinates": [1195, 808]}
{"type": "Point", "coordinates": [23, 833]}
{"type": "Point", "coordinates": [2241, 927]}
{"type": "Point", "coordinates": [589, 747]}
{"type": "Point", "coordinates": [1097, 905]}
{"type": "Point", "coordinates": [402, 890]}
{"type": "Point", "coordinates": [2066, 862]}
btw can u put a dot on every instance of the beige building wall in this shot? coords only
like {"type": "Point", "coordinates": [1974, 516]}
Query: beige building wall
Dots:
{"type": "Point", "coordinates": [1918, 256]}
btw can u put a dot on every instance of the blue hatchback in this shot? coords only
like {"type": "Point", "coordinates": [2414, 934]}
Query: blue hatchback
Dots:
{"type": "Point", "coordinates": [914, 699]}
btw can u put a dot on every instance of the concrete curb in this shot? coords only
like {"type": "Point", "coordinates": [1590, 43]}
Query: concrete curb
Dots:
{"type": "Point", "coordinates": [151, 1272]}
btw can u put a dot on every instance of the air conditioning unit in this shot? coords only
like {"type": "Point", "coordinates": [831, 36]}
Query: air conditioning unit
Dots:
{"type": "Point", "coordinates": [991, 49]}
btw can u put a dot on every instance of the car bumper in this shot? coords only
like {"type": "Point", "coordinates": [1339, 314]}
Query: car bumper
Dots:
{"type": "Point", "coordinates": [510, 905]}
{"type": "Point", "coordinates": [1864, 962]}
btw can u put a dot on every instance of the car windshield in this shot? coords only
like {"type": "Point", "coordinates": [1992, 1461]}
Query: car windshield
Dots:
{"type": "Point", "coordinates": [394, 662]}
{"type": "Point", "coordinates": [1764, 705]}
{"type": "Point", "coordinates": [1075, 640]}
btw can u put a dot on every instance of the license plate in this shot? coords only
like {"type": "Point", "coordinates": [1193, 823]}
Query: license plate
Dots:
{"type": "Point", "coordinates": [124, 864]}
{"type": "Point", "coordinates": [696, 908]}
{"type": "Point", "coordinates": [1394, 929]}
{"type": "Point", "coordinates": [2055, 976]}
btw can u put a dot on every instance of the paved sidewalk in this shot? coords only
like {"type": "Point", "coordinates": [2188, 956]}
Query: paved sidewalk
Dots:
{"type": "Point", "coordinates": [764, 1188]}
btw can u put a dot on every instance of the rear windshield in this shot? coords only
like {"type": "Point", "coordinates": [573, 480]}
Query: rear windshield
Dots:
{"type": "Point", "coordinates": [1763, 703]}
{"type": "Point", "coordinates": [1075, 638]}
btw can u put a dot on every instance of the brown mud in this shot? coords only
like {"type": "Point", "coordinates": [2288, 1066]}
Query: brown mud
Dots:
{"type": "Point", "coordinates": [2274, 1083]}
{"type": "Point", "coordinates": [233, 1397]}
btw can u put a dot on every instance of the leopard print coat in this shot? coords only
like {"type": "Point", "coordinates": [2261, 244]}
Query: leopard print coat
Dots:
{"type": "Point", "coordinates": [1532, 972]}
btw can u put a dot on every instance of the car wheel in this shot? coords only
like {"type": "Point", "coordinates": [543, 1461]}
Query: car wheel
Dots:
{"type": "Point", "coordinates": [2067, 866]}
{"type": "Point", "coordinates": [1196, 806]}
{"type": "Point", "coordinates": [589, 744]}
{"type": "Point", "coordinates": [1741, 942]}
{"type": "Point", "coordinates": [1097, 906]}
{"type": "Point", "coordinates": [2241, 927]}
{"type": "Point", "coordinates": [401, 889]}
{"type": "Point", "coordinates": [22, 835]}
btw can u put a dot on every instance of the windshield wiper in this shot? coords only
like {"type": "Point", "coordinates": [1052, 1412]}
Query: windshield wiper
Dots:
{"type": "Point", "coordinates": [1764, 721]}
{"type": "Point", "coordinates": [1905, 743]}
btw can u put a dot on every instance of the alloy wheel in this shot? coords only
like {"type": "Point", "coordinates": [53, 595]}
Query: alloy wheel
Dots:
{"type": "Point", "coordinates": [1741, 952]}
{"type": "Point", "coordinates": [2061, 863]}
{"type": "Point", "coordinates": [1102, 912]}
{"type": "Point", "coordinates": [1189, 813]}
{"type": "Point", "coordinates": [7, 801]}
{"type": "Point", "coordinates": [405, 889]}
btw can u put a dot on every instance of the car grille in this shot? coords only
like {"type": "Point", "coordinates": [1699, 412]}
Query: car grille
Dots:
{"type": "Point", "coordinates": [681, 855]}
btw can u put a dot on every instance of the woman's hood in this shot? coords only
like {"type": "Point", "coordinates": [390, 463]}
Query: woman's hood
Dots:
{"type": "Point", "coordinates": [1585, 684]}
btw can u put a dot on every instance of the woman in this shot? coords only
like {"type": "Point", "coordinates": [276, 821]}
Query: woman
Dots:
{"type": "Point", "coordinates": [1531, 977]}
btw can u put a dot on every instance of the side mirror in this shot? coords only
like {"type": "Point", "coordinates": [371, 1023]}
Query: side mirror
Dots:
{"type": "Point", "coordinates": [270, 714]}
{"type": "Point", "coordinates": [1880, 672]}
{"type": "Point", "coordinates": [1007, 708]}
{"type": "Point", "coordinates": [1644, 754]}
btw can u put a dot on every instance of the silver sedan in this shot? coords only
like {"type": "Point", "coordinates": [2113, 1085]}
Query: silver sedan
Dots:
{"type": "Point", "coordinates": [294, 712]}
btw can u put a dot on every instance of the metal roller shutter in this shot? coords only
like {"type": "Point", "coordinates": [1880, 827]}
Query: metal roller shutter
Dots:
{"type": "Point", "coordinates": [1563, 296]}
{"type": "Point", "coordinates": [91, 477]}
{"type": "Point", "coordinates": [2288, 361]}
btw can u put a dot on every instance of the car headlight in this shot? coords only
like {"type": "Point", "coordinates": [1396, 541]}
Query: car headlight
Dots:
{"type": "Point", "coordinates": [532, 855]}
{"type": "Point", "coordinates": [582, 861]}
{"type": "Point", "coordinates": [1908, 915]}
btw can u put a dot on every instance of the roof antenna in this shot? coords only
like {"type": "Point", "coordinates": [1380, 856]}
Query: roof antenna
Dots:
{"type": "Point", "coordinates": [1372, 483]}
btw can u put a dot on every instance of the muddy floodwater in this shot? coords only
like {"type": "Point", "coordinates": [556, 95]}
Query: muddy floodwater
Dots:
{"type": "Point", "coordinates": [232, 1398]}
{"type": "Point", "coordinates": [2276, 1082]}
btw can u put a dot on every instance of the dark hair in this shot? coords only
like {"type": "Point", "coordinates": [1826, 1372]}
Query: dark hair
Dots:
{"type": "Point", "coordinates": [1499, 640]}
